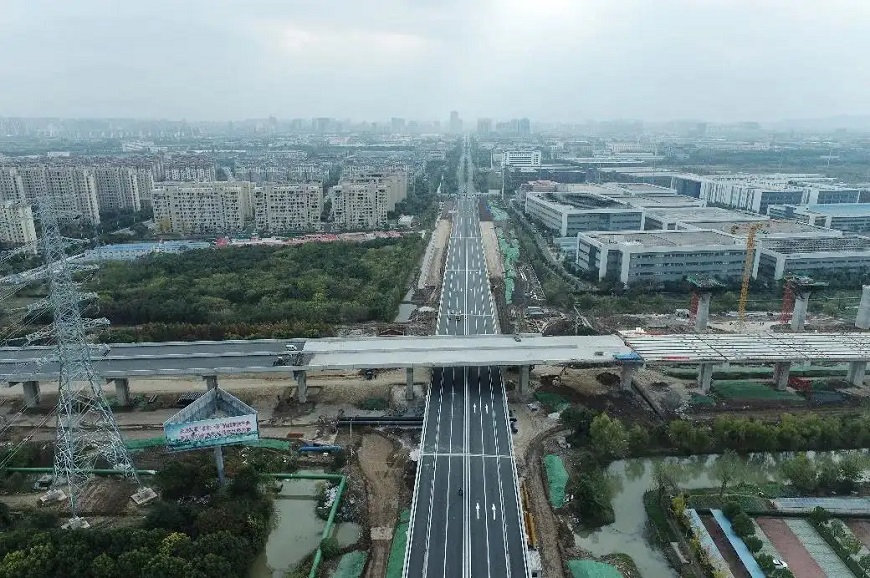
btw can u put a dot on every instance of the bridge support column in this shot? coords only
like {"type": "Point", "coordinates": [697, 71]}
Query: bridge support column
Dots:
{"type": "Point", "coordinates": [31, 393]}
{"type": "Point", "coordinates": [626, 376]}
{"type": "Point", "coordinates": [524, 378]}
{"type": "Point", "coordinates": [702, 315]}
{"type": "Point", "coordinates": [409, 388]}
{"type": "Point", "coordinates": [780, 374]}
{"type": "Point", "coordinates": [799, 315]}
{"type": "Point", "coordinates": [705, 376]}
{"type": "Point", "coordinates": [302, 396]}
{"type": "Point", "coordinates": [856, 372]}
{"type": "Point", "coordinates": [210, 381]}
{"type": "Point", "coordinates": [122, 391]}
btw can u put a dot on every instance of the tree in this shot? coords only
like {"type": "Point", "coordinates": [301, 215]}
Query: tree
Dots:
{"type": "Point", "coordinates": [725, 469]}
{"type": "Point", "coordinates": [608, 437]}
{"type": "Point", "coordinates": [743, 525]}
{"type": "Point", "coordinates": [103, 566]}
{"type": "Point", "coordinates": [592, 497]}
{"type": "Point", "coordinates": [801, 472]}
{"type": "Point", "coordinates": [667, 476]}
{"type": "Point", "coordinates": [638, 439]}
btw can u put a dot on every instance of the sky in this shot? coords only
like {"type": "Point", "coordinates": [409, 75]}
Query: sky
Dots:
{"type": "Point", "coordinates": [549, 60]}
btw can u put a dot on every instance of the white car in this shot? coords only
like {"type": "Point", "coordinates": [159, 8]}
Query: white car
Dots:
{"type": "Point", "coordinates": [779, 564]}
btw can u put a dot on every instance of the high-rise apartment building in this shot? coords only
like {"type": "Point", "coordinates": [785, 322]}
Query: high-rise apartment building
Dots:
{"type": "Point", "coordinates": [117, 188]}
{"type": "Point", "coordinates": [484, 125]}
{"type": "Point", "coordinates": [455, 122]}
{"type": "Point", "coordinates": [11, 187]}
{"type": "Point", "coordinates": [359, 205]}
{"type": "Point", "coordinates": [16, 225]}
{"type": "Point", "coordinates": [214, 207]}
{"type": "Point", "coordinates": [286, 208]}
{"type": "Point", "coordinates": [73, 190]}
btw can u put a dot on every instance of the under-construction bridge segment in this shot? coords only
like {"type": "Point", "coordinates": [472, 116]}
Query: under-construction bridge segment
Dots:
{"type": "Point", "coordinates": [781, 349]}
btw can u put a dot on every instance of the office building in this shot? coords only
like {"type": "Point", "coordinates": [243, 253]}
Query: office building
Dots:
{"type": "Point", "coordinates": [16, 225]}
{"type": "Point", "coordinates": [756, 193]}
{"type": "Point", "coordinates": [117, 188]}
{"type": "Point", "coordinates": [656, 256]}
{"type": "Point", "coordinates": [566, 214]}
{"type": "Point", "coordinates": [524, 127]}
{"type": "Point", "coordinates": [202, 208]}
{"type": "Point", "coordinates": [519, 159]}
{"type": "Point", "coordinates": [700, 217]}
{"type": "Point", "coordinates": [455, 122]}
{"type": "Point", "coordinates": [484, 126]}
{"type": "Point", "coordinates": [287, 208]}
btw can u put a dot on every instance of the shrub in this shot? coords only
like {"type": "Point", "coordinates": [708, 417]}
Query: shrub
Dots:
{"type": "Point", "coordinates": [329, 548]}
{"type": "Point", "coordinates": [765, 561]}
{"type": "Point", "coordinates": [743, 525]}
{"type": "Point", "coordinates": [731, 509]}
{"type": "Point", "coordinates": [819, 515]}
{"type": "Point", "coordinates": [753, 543]}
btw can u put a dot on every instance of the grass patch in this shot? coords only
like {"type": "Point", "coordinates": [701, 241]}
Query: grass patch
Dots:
{"type": "Point", "coordinates": [374, 404]}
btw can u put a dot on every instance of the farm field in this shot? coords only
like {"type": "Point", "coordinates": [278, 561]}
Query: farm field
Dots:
{"type": "Point", "coordinates": [724, 546]}
{"type": "Point", "coordinates": [799, 561]}
{"type": "Point", "coordinates": [861, 529]}
{"type": "Point", "coordinates": [821, 552]}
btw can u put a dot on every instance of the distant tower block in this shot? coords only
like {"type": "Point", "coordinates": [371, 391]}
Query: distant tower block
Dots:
{"type": "Point", "coordinates": [801, 288]}
{"type": "Point", "coordinates": [862, 321]}
{"type": "Point", "coordinates": [703, 288]}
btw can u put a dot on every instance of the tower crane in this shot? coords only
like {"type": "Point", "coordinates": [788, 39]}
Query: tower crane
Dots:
{"type": "Point", "coordinates": [747, 269]}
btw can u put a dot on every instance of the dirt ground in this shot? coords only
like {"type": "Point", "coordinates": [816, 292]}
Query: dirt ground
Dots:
{"type": "Point", "coordinates": [786, 543]}
{"type": "Point", "coordinates": [861, 529]}
{"type": "Point", "coordinates": [434, 256]}
{"type": "Point", "coordinates": [546, 521]}
{"type": "Point", "coordinates": [383, 473]}
{"type": "Point", "coordinates": [725, 548]}
{"type": "Point", "coordinates": [491, 251]}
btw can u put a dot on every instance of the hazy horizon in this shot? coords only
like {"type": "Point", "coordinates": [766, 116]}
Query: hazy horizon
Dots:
{"type": "Point", "coordinates": [551, 61]}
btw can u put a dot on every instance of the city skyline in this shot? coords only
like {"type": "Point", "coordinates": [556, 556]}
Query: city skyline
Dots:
{"type": "Point", "coordinates": [550, 61]}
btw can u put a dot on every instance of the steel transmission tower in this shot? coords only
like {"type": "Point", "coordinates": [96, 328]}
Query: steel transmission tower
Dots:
{"type": "Point", "coordinates": [86, 428]}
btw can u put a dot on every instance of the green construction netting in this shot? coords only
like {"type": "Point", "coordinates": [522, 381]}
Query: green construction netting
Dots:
{"type": "Point", "coordinates": [557, 479]}
{"type": "Point", "coordinates": [592, 569]}
{"type": "Point", "coordinates": [351, 565]}
{"type": "Point", "coordinates": [146, 443]}
{"type": "Point", "coordinates": [744, 389]}
{"type": "Point", "coordinates": [397, 550]}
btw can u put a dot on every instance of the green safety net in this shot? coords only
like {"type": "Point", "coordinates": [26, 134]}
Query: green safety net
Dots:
{"type": "Point", "coordinates": [351, 565]}
{"type": "Point", "coordinates": [592, 569]}
{"type": "Point", "coordinates": [557, 479]}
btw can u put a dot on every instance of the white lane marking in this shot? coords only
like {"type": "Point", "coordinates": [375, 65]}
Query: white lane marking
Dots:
{"type": "Point", "coordinates": [493, 511]}
{"type": "Point", "coordinates": [486, 408]}
{"type": "Point", "coordinates": [474, 407]}
{"type": "Point", "coordinates": [477, 509]}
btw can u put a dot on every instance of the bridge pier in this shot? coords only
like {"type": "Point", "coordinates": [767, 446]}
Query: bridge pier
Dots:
{"type": "Point", "coordinates": [781, 372]}
{"type": "Point", "coordinates": [525, 370]}
{"type": "Point", "coordinates": [626, 376]}
{"type": "Point", "coordinates": [409, 388]}
{"type": "Point", "coordinates": [302, 389]}
{"type": "Point", "coordinates": [31, 393]}
{"type": "Point", "coordinates": [799, 315]}
{"type": "Point", "coordinates": [856, 372]}
{"type": "Point", "coordinates": [703, 313]}
{"type": "Point", "coordinates": [211, 381]}
{"type": "Point", "coordinates": [122, 391]}
{"type": "Point", "coordinates": [705, 376]}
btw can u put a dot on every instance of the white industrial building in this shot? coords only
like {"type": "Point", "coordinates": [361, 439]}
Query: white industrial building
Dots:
{"type": "Point", "coordinates": [654, 256]}
{"type": "Point", "coordinates": [777, 258]}
{"type": "Point", "coordinates": [566, 214]}
{"type": "Point", "coordinates": [287, 208]}
{"type": "Point", "coordinates": [681, 217]}
{"type": "Point", "coordinates": [853, 217]}
{"type": "Point", "coordinates": [755, 192]}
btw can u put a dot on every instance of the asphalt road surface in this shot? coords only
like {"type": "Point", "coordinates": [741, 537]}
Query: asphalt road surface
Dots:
{"type": "Point", "coordinates": [466, 445]}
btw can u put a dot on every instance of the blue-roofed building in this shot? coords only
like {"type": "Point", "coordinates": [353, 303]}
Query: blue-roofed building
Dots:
{"type": "Point", "coordinates": [133, 251]}
{"type": "Point", "coordinates": [852, 217]}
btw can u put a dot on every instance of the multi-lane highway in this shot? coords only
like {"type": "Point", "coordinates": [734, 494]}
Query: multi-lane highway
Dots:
{"type": "Point", "coordinates": [466, 519]}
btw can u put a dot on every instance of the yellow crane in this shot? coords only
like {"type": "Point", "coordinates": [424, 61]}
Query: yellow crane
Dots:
{"type": "Point", "coordinates": [747, 269]}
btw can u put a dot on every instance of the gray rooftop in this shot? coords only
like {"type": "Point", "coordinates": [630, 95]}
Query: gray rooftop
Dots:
{"type": "Point", "coordinates": [686, 238]}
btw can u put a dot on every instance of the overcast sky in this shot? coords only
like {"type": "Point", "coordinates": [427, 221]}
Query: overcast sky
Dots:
{"type": "Point", "coordinates": [571, 60]}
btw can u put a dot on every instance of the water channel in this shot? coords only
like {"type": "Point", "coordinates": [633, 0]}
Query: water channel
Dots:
{"type": "Point", "coordinates": [631, 478]}
{"type": "Point", "coordinates": [406, 308]}
{"type": "Point", "coordinates": [296, 530]}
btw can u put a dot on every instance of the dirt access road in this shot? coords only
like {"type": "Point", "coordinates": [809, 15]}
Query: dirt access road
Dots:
{"type": "Point", "coordinates": [545, 520]}
{"type": "Point", "coordinates": [383, 478]}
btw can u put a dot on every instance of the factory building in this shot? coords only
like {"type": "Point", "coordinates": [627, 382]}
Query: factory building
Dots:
{"type": "Point", "coordinates": [566, 214]}
{"type": "Point", "coordinates": [853, 218]}
{"type": "Point", "coordinates": [812, 256]}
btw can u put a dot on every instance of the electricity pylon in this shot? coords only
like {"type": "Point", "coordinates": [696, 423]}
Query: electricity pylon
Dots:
{"type": "Point", "coordinates": [86, 428]}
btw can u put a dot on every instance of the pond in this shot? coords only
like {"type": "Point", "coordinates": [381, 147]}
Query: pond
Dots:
{"type": "Point", "coordinates": [296, 530]}
{"type": "Point", "coordinates": [631, 478]}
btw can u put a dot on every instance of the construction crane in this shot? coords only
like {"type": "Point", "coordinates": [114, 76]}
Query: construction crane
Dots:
{"type": "Point", "coordinates": [747, 269]}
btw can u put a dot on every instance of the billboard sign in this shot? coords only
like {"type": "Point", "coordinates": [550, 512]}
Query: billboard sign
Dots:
{"type": "Point", "coordinates": [206, 433]}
